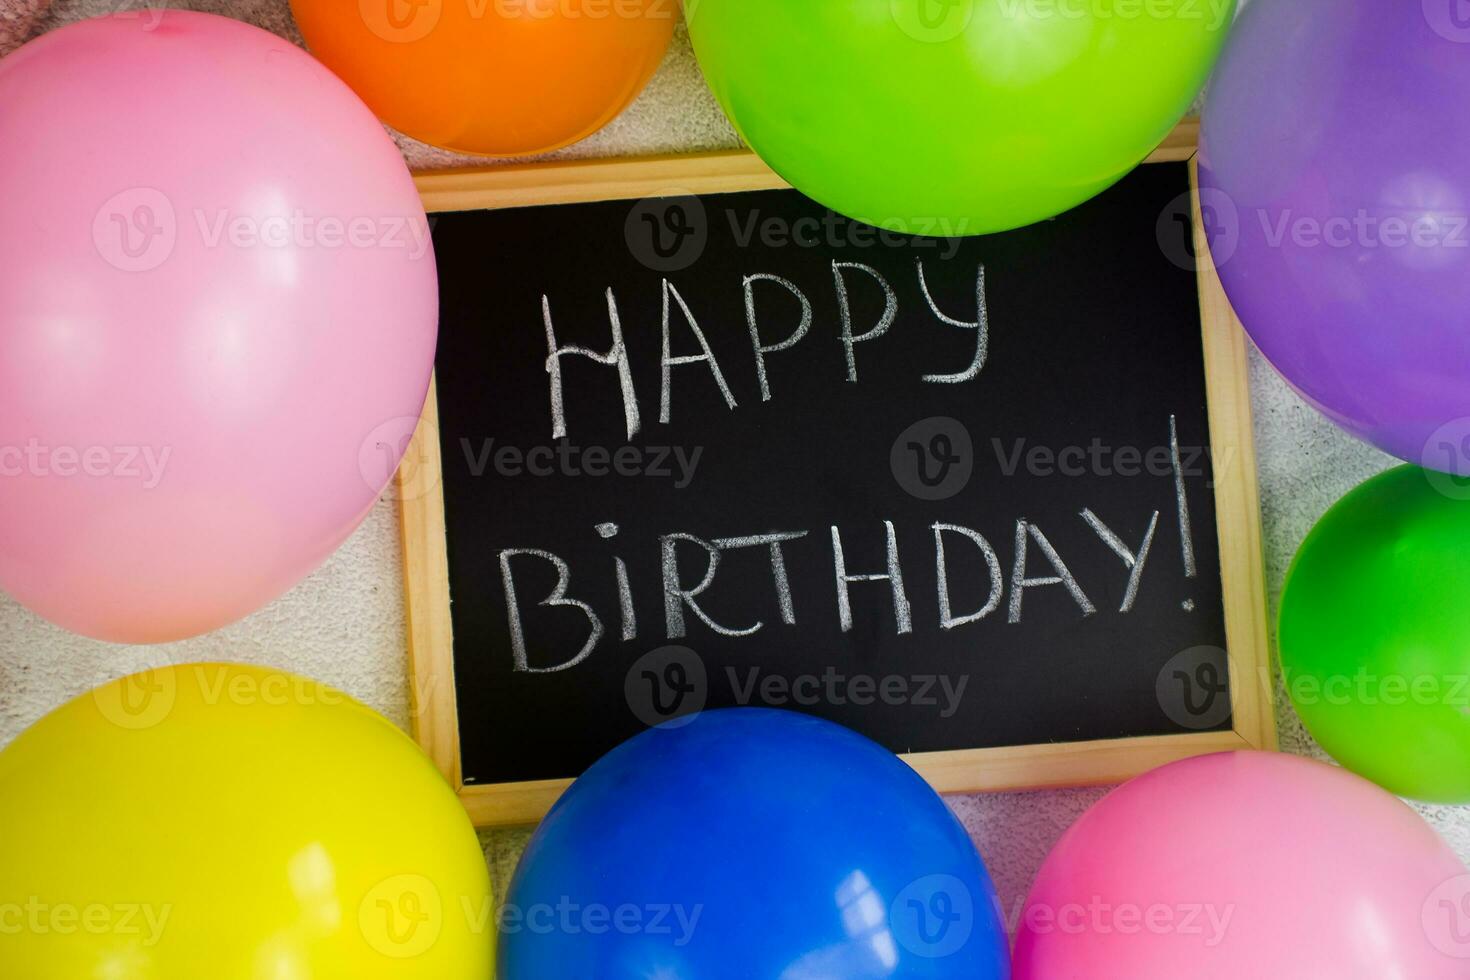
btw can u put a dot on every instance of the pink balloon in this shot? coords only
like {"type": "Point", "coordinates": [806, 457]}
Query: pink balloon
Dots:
{"type": "Point", "coordinates": [218, 311]}
{"type": "Point", "coordinates": [1248, 864]}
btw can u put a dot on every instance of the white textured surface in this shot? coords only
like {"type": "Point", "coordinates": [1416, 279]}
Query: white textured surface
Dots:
{"type": "Point", "coordinates": [345, 625]}
{"type": "Point", "coordinates": [18, 18]}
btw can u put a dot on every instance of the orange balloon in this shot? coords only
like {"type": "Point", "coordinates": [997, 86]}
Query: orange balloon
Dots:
{"type": "Point", "coordinates": [492, 77]}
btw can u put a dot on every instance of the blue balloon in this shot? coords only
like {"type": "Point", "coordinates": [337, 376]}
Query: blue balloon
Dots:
{"type": "Point", "coordinates": [751, 844]}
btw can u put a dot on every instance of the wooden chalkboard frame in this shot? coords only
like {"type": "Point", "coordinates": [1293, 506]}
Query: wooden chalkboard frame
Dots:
{"type": "Point", "coordinates": [426, 568]}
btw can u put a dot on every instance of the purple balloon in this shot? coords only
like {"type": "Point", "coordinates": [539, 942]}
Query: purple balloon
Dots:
{"type": "Point", "coordinates": [1335, 180]}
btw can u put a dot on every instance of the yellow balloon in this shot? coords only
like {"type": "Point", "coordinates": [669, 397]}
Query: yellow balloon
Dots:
{"type": "Point", "coordinates": [218, 822]}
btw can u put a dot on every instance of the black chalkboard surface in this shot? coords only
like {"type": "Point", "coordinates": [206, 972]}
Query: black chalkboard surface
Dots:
{"type": "Point", "coordinates": [958, 494]}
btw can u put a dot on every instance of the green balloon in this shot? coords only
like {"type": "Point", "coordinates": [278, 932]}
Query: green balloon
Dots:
{"type": "Point", "coordinates": [1375, 634]}
{"type": "Point", "coordinates": [955, 117]}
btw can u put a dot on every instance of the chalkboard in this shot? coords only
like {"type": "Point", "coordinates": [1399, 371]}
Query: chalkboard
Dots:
{"type": "Point", "coordinates": [988, 500]}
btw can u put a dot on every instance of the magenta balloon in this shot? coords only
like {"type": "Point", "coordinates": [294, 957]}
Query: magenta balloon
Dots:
{"type": "Point", "coordinates": [218, 313]}
{"type": "Point", "coordinates": [1248, 864]}
{"type": "Point", "coordinates": [1335, 169]}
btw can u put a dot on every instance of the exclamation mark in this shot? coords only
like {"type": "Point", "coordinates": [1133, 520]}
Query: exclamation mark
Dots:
{"type": "Point", "coordinates": [1181, 498]}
